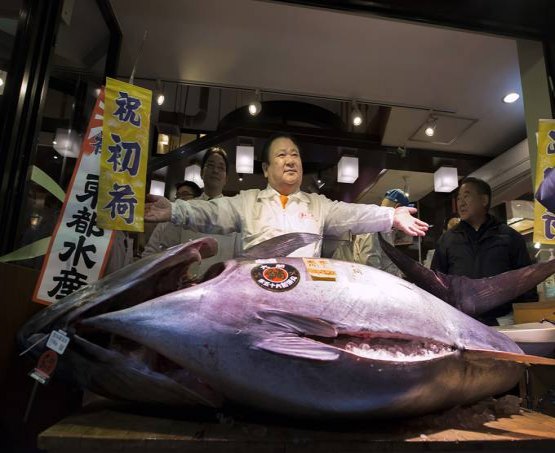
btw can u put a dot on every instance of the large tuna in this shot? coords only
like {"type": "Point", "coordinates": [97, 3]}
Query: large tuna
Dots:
{"type": "Point", "coordinates": [339, 340]}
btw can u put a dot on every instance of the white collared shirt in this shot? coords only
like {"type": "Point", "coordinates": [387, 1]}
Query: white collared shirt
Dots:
{"type": "Point", "coordinates": [259, 216]}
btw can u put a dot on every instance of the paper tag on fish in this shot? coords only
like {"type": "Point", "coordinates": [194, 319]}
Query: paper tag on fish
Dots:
{"type": "Point", "coordinates": [320, 269]}
{"type": "Point", "coordinates": [58, 341]}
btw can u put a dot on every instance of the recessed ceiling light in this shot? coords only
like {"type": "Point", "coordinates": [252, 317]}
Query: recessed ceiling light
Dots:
{"type": "Point", "coordinates": [511, 97]}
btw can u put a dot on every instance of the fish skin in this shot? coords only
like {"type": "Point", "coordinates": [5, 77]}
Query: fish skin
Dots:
{"type": "Point", "coordinates": [219, 340]}
{"type": "Point", "coordinates": [275, 350]}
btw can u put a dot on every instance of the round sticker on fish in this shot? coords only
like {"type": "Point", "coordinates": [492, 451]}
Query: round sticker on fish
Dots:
{"type": "Point", "coordinates": [275, 277]}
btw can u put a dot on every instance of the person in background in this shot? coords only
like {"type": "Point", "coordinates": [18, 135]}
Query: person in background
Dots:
{"type": "Point", "coordinates": [451, 222]}
{"type": "Point", "coordinates": [187, 190]}
{"type": "Point", "coordinates": [282, 207]}
{"type": "Point", "coordinates": [214, 175]}
{"type": "Point", "coordinates": [366, 249]}
{"type": "Point", "coordinates": [480, 245]}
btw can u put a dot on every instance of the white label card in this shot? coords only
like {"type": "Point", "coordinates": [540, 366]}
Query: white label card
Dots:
{"type": "Point", "coordinates": [58, 341]}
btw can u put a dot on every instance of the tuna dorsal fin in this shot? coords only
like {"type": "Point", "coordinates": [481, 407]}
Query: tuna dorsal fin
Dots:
{"type": "Point", "coordinates": [280, 245]}
{"type": "Point", "coordinates": [472, 296]}
{"type": "Point", "coordinates": [480, 354]}
{"type": "Point", "coordinates": [294, 346]}
{"type": "Point", "coordinates": [293, 322]}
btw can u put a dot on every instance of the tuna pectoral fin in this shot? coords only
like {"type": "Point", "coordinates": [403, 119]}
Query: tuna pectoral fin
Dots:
{"type": "Point", "coordinates": [472, 296]}
{"type": "Point", "coordinates": [282, 245]}
{"type": "Point", "coordinates": [304, 325]}
{"type": "Point", "coordinates": [481, 354]}
{"type": "Point", "coordinates": [294, 346]}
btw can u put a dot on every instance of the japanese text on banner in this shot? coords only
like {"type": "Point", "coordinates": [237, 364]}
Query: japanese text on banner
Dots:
{"type": "Point", "coordinates": [78, 249]}
{"type": "Point", "coordinates": [544, 187]}
{"type": "Point", "coordinates": [124, 156]}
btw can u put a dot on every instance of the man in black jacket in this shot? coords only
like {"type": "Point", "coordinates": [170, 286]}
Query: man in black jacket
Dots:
{"type": "Point", "coordinates": [480, 245]}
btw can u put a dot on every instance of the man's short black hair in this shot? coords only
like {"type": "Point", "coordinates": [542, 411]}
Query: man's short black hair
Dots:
{"type": "Point", "coordinates": [192, 185]}
{"type": "Point", "coordinates": [265, 156]}
{"type": "Point", "coordinates": [482, 187]}
{"type": "Point", "coordinates": [215, 150]}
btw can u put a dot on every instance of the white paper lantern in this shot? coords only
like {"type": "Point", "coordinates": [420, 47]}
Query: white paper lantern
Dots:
{"type": "Point", "coordinates": [347, 169]}
{"type": "Point", "coordinates": [157, 187]}
{"type": "Point", "coordinates": [67, 143]}
{"type": "Point", "coordinates": [446, 179]}
{"type": "Point", "coordinates": [244, 159]}
{"type": "Point", "coordinates": [192, 173]}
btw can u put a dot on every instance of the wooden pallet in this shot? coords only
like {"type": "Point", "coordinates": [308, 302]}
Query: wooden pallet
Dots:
{"type": "Point", "coordinates": [110, 430]}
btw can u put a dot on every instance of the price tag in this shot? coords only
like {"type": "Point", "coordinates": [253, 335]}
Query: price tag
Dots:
{"type": "Point", "coordinates": [320, 269]}
{"type": "Point", "coordinates": [58, 341]}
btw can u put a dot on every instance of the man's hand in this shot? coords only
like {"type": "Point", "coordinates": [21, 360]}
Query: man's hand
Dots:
{"type": "Point", "coordinates": [404, 221]}
{"type": "Point", "coordinates": [157, 209]}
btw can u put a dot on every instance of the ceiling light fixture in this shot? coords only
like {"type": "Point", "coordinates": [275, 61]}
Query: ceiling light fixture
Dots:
{"type": "Point", "coordinates": [511, 97]}
{"type": "Point", "coordinates": [164, 139]}
{"type": "Point", "coordinates": [446, 179]}
{"type": "Point", "coordinates": [431, 124]}
{"type": "Point", "coordinates": [356, 116]}
{"type": "Point", "coordinates": [160, 98]}
{"type": "Point", "coordinates": [192, 173]}
{"type": "Point", "coordinates": [406, 188]}
{"type": "Point", "coordinates": [67, 142]}
{"type": "Point", "coordinates": [157, 187]}
{"type": "Point", "coordinates": [244, 159]}
{"type": "Point", "coordinates": [347, 169]}
{"type": "Point", "coordinates": [255, 106]}
{"type": "Point", "coordinates": [1, 81]}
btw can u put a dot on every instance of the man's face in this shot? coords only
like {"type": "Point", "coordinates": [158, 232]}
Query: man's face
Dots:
{"type": "Point", "coordinates": [214, 173]}
{"type": "Point", "coordinates": [471, 204]}
{"type": "Point", "coordinates": [184, 193]}
{"type": "Point", "coordinates": [285, 168]}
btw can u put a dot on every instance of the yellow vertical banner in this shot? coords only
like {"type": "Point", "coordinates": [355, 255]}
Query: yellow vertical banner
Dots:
{"type": "Point", "coordinates": [544, 187]}
{"type": "Point", "coordinates": [125, 133]}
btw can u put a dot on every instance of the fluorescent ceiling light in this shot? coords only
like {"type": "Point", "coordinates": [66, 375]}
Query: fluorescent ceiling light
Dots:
{"type": "Point", "coordinates": [157, 187]}
{"type": "Point", "coordinates": [192, 173]}
{"type": "Point", "coordinates": [446, 179]}
{"type": "Point", "coordinates": [244, 159]}
{"type": "Point", "coordinates": [347, 169]}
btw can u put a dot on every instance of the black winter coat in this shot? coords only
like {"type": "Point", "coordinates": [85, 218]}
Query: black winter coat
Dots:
{"type": "Point", "coordinates": [494, 249]}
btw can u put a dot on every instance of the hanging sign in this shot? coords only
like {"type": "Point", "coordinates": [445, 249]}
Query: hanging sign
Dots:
{"type": "Point", "coordinates": [78, 249]}
{"type": "Point", "coordinates": [124, 156]}
{"type": "Point", "coordinates": [544, 187]}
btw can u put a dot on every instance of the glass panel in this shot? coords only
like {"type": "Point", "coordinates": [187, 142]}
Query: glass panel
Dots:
{"type": "Point", "coordinates": [75, 79]}
{"type": "Point", "coordinates": [8, 26]}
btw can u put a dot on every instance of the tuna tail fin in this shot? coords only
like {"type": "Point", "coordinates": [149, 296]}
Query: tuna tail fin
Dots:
{"type": "Point", "coordinates": [280, 245]}
{"type": "Point", "coordinates": [471, 296]}
{"type": "Point", "coordinates": [479, 354]}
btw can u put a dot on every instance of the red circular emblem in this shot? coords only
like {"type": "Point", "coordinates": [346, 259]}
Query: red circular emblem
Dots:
{"type": "Point", "coordinates": [275, 274]}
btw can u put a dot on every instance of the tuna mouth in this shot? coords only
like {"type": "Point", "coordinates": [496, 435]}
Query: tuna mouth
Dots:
{"type": "Point", "coordinates": [393, 348]}
{"type": "Point", "coordinates": [121, 290]}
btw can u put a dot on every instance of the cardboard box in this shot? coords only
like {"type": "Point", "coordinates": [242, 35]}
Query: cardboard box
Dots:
{"type": "Point", "coordinates": [534, 311]}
